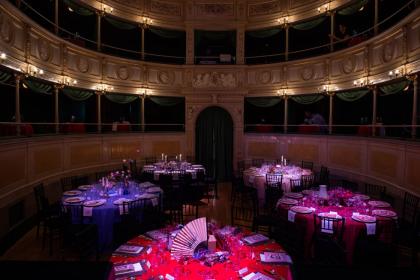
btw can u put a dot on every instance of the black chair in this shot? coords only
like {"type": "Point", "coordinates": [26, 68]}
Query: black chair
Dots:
{"type": "Point", "coordinates": [66, 183]}
{"type": "Point", "coordinates": [212, 190]}
{"type": "Point", "coordinates": [131, 221]}
{"type": "Point", "coordinates": [375, 191]}
{"type": "Point", "coordinates": [80, 235]}
{"type": "Point", "coordinates": [328, 241]}
{"type": "Point", "coordinates": [296, 185]}
{"type": "Point", "coordinates": [349, 185]}
{"type": "Point", "coordinates": [99, 175]}
{"type": "Point", "coordinates": [307, 165]}
{"type": "Point", "coordinates": [244, 209]}
{"type": "Point", "coordinates": [190, 159]}
{"type": "Point", "coordinates": [257, 162]}
{"type": "Point", "coordinates": [150, 160]}
{"type": "Point", "coordinates": [323, 176]}
{"type": "Point", "coordinates": [79, 180]}
{"type": "Point", "coordinates": [307, 181]}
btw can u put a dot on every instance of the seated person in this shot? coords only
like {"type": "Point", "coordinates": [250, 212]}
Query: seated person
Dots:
{"type": "Point", "coordinates": [317, 119]}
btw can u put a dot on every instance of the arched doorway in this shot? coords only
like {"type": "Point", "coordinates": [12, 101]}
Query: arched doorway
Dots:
{"type": "Point", "coordinates": [214, 142]}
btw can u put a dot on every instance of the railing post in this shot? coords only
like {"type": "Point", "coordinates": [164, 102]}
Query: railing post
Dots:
{"type": "Point", "coordinates": [99, 15]}
{"type": "Point", "coordinates": [17, 103]}
{"type": "Point", "coordinates": [285, 119]}
{"type": "Point", "coordinates": [56, 111]}
{"type": "Point", "coordinates": [142, 97]}
{"type": "Point", "coordinates": [332, 30]}
{"type": "Point", "coordinates": [98, 111]}
{"type": "Point", "coordinates": [142, 42]}
{"type": "Point", "coordinates": [189, 56]}
{"type": "Point", "coordinates": [331, 111]}
{"type": "Point", "coordinates": [414, 116]}
{"type": "Point", "coordinates": [286, 47]}
{"type": "Point", "coordinates": [374, 105]}
{"type": "Point", "coordinates": [376, 18]}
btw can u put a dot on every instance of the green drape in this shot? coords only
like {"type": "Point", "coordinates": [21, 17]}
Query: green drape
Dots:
{"type": "Point", "coordinates": [120, 24]}
{"type": "Point", "coordinates": [166, 101]}
{"type": "Point", "coordinates": [394, 88]}
{"type": "Point", "coordinates": [307, 25]}
{"type": "Point", "coordinates": [263, 33]}
{"type": "Point", "coordinates": [121, 98]}
{"type": "Point", "coordinates": [77, 94]}
{"type": "Point", "coordinates": [263, 102]}
{"type": "Point", "coordinates": [38, 86]}
{"type": "Point", "coordinates": [353, 95]}
{"type": "Point", "coordinates": [166, 33]}
{"type": "Point", "coordinates": [4, 77]}
{"type": "Point", "coordinates": [352, 9]}
{"type": "Point", "coordinates": [307, 99]}
{"type": "Point", "coordinates": [214, 142]}
{"type": "Point", "coordinates": [78, 9]}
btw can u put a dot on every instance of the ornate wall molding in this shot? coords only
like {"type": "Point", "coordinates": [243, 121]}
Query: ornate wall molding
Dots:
{"type": "Point", "coordinates": [214, 79]}
{"type": "Point", "coordinates": [166, 8]}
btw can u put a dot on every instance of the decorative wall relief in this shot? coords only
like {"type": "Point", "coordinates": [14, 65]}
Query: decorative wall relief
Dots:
{"type": "Point", "coordinates": [82, 64]}
{"type": "Point", "coordinates": [214, 79]}
{"type": "Point", "coordinates": [264, 77]}
{"type": "Point", "coordinates": [266, 8]}
{"type": "Point", "coordinates": [307, 73]}
{"type": "Point", "coordinates": [214, 9]}
{"type": "Point", "coordinates": [123, 72]}
{"type": "Point", "coordinates": [166, 8]}
{"type": "Point", "coordinates": [166, 77]}
{"type": "Point", "coordinates": [7, 29]}
{"type": "Point", "coordinates": [388, 51]}
{"type": "Point", "coordinates": [44, 49]}
{"type": "Point", "coordinates": [348, 64]}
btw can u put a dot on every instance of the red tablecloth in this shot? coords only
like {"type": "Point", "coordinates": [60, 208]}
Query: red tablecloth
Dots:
{"type": "Point", "coordinates": [73, 128]}
{"type": "Point", "coordinates": [264, 128]}
{"type": "Point", "coordinates": [123, 127]}
{"type": "Point", "coordinates": [308, 129]}
{"type": "Point", "coordinates": [352, 228]}
{"type": "Point", "coordinates": [26, 129]}
{"type": "Point", "coordinates": [242, 257]}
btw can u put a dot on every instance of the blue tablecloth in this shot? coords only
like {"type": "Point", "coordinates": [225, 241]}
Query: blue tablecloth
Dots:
{"type": "Point", "coordinates": [106, 215]}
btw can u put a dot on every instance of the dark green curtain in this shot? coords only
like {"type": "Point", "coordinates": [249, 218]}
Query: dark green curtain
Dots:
{"type": "Point", "coordinates": [38, 86]}
{"type": "Point", "coordinates": [4, 77]}
{"type": "Point", "coordinates": [353, 95]}
{"type": "Point", "coordinates": [394, 88]}
{"type": "Point", "coordinates": [167, 101]}
{"type": "Point", "coordinates": [120, 24]}
{"type": "Point", "coordinates": [352, 9]}
{"type": "Point", "coordinates": [77, 94]}
{"type": "Point", "coordinates": [307, 25]}
{"type": "Point", "coordinates": [121, 98]}
{"type": "Point", "coordinates": [263, 102]}
{"type": "Point", "coordinates": [214, 142]}
{"type": "Point", "coordinates": [263, 33]}
{"type": "Point", "coordinates": [307, 99]}
{"type": "Point", "coordinates": [78, 9]}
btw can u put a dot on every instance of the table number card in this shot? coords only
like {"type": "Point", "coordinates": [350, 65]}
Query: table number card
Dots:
{"type": "Point", "coordinates": [255, 239]}
{"type": "Point", "coordinates": [275, 257]}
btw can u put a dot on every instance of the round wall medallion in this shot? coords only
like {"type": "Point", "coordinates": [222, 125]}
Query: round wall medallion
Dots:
{"type": "Point", "coordinates": [165, 77]}
{"type": "Point", "coordinates": [44, 49]}
{"type": "Point", "coordinates": [388, 51]}
{"type": "Point", "coordinates": [82, 64]}
{"type": "Point", "coordinates": [7, 30]}
{"type": "Point", "coordinates": [348, 64]}
{"type": "Point", "coordinates": [123, 73]}
{"type": "Point", "coordinates": [264, 77]}
{"type": "Point", "coordinates": [307, 73]}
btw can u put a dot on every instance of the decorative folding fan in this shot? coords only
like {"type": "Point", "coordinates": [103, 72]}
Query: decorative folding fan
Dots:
{"type": "Point", "coordinates": [193, 236]}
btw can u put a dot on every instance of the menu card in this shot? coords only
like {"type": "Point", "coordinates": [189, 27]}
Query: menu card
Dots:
{"type": "Point", "coordinates": [157, 235]}
{"type": "Point", "coordinates": [255, 239]}
{"type": "Point", "coordinates": [275, 257]}
{"type": "Point", "coordinates": [131, 268]}
{"type": "Point", "coordinates": [129, 249]}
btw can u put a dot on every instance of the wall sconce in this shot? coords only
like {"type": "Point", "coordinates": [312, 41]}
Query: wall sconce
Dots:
{"type": "Point", "coordinates": [324, 8]}
{"type": "Point", "coordinates": [325, 89]}
{"type": "Point", "coordinates": [282, 92]}
{"type": "Point", "coordinates": [103, 88]}
{"type": "Point", "coordinates": [3, 56]}
{"type": "Point", "coordinates": [68, 81]}
{"type": "Point", "coordinates": [107, 9]}
{"type": "Point", "coordinates": [145, 22]}
{"type": "Point", "coordinates": [396, 73]}
{"type": "Point", "coordinates": [283, 21]}
{"type": "Point", "coordinates": [142, 92]}
{"type": "Point", "coordinates": [33, 71]}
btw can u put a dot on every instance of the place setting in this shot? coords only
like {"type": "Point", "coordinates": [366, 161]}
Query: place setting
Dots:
{"type": "Point", "coordinates": [72, 193]}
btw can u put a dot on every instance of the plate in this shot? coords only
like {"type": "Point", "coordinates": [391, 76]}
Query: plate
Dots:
{"type": "Point", "coordinates": [288, 201]}
{"type": "Point", "coordinates": [145, 196]}
{"type": "Point", "coordinates": [384, 213]}
{"type": "Point", "coordinates": [364, 218]}
{"type": "Point", "coordinates": [72, 193]}
{"type": "Point", "coordinates": [153, 190]}
{"type": "Point", "coordinates": [329, 215]}
{"type": "Point", "coordinates": [293, 195]}
{"type": "Point", "coordinates": [379, 204]}
{"type": "Point", "coordinates": [85, 187]}
{"type": "Point", "coordinates": [94, 203]}
{"type": "Point", "coordinates": [362, 196]}
{"type": "Point", "coordinates": [121, 201]}
{"type": "Point", "coordinates": [76, 199]}
{"type": "Point", "coordinates": [301, 209]}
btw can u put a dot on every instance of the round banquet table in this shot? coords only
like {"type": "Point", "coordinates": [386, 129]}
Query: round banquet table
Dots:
{"type": "Point", "coordinates": [241, 256]}
{"type": "Point", "coordinates": [256, 177]}
{"type": "Point", "coordinates": [352, 228]}
{"type": "Point", "coordinates": [169, 168]}
{"type": "Point", "coordinates": [105, 215]}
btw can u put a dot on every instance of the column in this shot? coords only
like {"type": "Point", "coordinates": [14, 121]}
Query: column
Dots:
{"type": "Point", "coordinates": [330, 119]}
{"type": "Point", "coordinates": [142, 42]}
{"type": "Point", "coordinates": [98, 30]}
{"type": "Point", "coordinates": [414, 116]}
{"type": "Point", "coordinates": [189, 56]}
{"type": "Point", "coordinates": [286, 114]}
{"type": "Point", "coordinates": [98, 112]}
{"type": "Point", "coordinates": [374, 96]}
{"type": "Point", "coordinates": [376, 18]}
{"type": "Point", "coordinates": [142, 97]}
{"type": "Point", "coordinates": [56, 115]}
{"type": "Point", "coordinates": [17, 103]}
{"type": "Point", "coordinates": [240, 45]}
{"type": "Point", "coordinates": [286, 47]}
{"type": "Point", "coordinates": [56, 17]}
{"type": "Point", "coordinates": [332, 31]}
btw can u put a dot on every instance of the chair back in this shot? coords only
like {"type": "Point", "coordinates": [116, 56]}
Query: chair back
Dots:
{"type": "Point", "coordinates": [257, 162]}
{"type": "Point", "coordinates": [328, 226]}
{"type": "Point", "coordinates": [66, 183]}
{"type": "Point", "coordinates": [307, 165]}
{"type": "Point", "coordinates": [410, 208]}
{"type": "Point", "coordinates": [244, 208]}
{"type": "Point", "coordinates": [307, 181]}
{"type": "Point", "coordinates": [324, 176]}
{"type": "Point", "coordinates": [349, 185]}
{"type": "Point", "coordinates": [73, 214]}
{"type": "Point", "coordinates": [133, 210]}
{"type": "Point", "coordinates": [375, 191]}
{"type": "Point", "coordinates": [150, 160]}
{"type": "Point", "coordinates": [296, 185]}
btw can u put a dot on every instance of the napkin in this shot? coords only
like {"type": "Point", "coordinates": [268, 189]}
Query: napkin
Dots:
{"type": "Point", "coordinates": [87, 211]}
{"type": "Point", "coordinates": [370, 228]}
{"type": "Point", "coordinates": [291, 216]}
